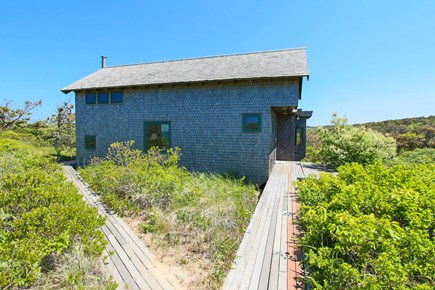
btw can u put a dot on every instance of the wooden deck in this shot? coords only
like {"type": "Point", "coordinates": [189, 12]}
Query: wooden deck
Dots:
{"type": "Point", "coordinates": [267, 257]}
{"type": "Point", "coordinates": [128, 259]}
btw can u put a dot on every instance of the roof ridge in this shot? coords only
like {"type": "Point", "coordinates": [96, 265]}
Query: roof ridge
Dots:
{"type": "Point", "coordinates": [205, 57]}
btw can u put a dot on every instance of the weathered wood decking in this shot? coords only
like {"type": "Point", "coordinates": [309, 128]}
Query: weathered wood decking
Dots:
{"type": "Point", "coordinates": [128, 259]}
{"type": "Point", "coordinates": [267, 257]}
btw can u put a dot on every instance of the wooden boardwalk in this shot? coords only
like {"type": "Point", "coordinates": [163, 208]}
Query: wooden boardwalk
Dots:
{"type": "Point", "coordinates": [128, 259]}
{"type": "Point", "coordinates": [267, 257]}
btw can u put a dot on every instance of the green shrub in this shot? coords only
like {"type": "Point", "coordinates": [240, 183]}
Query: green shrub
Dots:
{"type": "Point", "coordinates": [203, 214]}
{"type": "Point", "coordinates": [24, 144]}
{"type": "Point", "coordinates": [417, 156]}
{"type": "Point", "coordinates": [370, 227]}
{"type": "Point", "coordinates": [344, 143]}
{"type": "Point", "coordinates": [129, 181]}
{"type": "Point", "coordinates": [423, 156]}
{"type": "Point", "coordinates": [410, 133]}
{"type": "Point", "coordinates": [41, 214]}
{"type": "Point", "coordinates": [312, 155]}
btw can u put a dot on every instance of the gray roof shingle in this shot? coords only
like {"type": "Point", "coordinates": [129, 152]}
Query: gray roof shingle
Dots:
{"type": "Point", "coordinates": [269, 64]}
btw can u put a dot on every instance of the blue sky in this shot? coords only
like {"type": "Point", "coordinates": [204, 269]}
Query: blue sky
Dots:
{"type": "Point", "coordinates": [369, 60]}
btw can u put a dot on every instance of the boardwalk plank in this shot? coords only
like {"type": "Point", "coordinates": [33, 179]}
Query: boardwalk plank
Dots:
{"type": "Point", "coordinates": [151, 282]}
{"type": "Point", "coordinates": [119, 265]}
{"type": "Point", "coordinates": [249, 238]}
{"type": "Point", "coordinates": [281, 278]}
{"type": "Point", "coordinates": [272, 240]}
{"type": "Point", "coordinates": [253, 268]}
{"type": "Point", "coordinates": [134, 244]}
{"type": "Point", "coordinates": [260, 279]}
{"type": "Point", "coordinates": [257, 249]}
{"type": "Point", "coordinates": [272, 275]}
{"type": "Point", "coordinates": [130, 262]}
{"type": "Point", "coordinates": [261, 239]}
{"type": "Point", "coordinates": [115, 232]}
{"type": "Point", "coordinates": [140, 254]}
{"type": "Point", "coordinates": [266, 257]}
{"type": "Point", "coordinates": [283, 246]}
{"type": "Point", "coordinates": [135, 240]}
{"type": "Point", "coordinates": [108, 263]}
{"type": "Point", "coordinates": [131, 268]}
{"type": "Point", "coordinates": [283, 257]}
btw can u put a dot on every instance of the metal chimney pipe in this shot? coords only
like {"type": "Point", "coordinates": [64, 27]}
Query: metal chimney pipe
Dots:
{"type": "Point", "coordinates": [103, 61]}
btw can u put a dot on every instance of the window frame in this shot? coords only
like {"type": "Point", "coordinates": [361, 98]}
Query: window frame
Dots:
{"type": "Point", "coordinates": [95, 98]}
{"type": "Point", "coordinates": [299, 131]}
{"type": "Point", "coordinates": [121, 97]}
{"type": "Point", "coordinates": [146, 123]}
{"type": "Point", "coordinates": [244, 122]}
{"type": "Point", "coordinates": [94, 137]}
{"type": "Point", "coordinates": [108, 97]}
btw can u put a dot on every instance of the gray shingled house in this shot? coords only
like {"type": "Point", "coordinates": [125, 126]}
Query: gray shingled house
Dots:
{"type": "Point", "coordinates": [232, 113]}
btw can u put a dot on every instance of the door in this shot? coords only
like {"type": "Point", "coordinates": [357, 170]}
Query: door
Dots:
{"type": "Point", "coordinates": [284, 143]}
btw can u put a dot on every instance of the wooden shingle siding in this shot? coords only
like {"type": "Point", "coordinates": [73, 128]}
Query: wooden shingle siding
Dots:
{"type": "Point", "coordinates": [206, 123]}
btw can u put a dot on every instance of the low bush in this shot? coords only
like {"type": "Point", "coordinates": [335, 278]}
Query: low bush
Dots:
{"type": "Point", "coordinates": [421, 155]}
{"type": "Point", "coordinates": [41, 214]}
{"type": "Point", "coordinates": [344, 143]}
{"type": "Point", "coordinates": [203, 216]}
{"type": "Point", "coordinates": [370, 227]}
{"type": "Point", "coordinates": [410, 133]}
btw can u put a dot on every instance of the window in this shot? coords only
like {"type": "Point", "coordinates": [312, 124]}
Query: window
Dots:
{"type": "Point", "coordinates": [90, 142]}
{"type": "Point", "coordinates": [251, 122]}
{"type": "Point", "coordinates": [299, 135]}
{"type": "Point", "coordinates": [116, 97]}
{"type": "Point", "coordinates": [91, 98]}
{"type": "Point", "coordinates": [274, 129]}
{"type": "Point", "coordinates": [157, 134]}
{"type": "Point", "coordinates": [103, 98]}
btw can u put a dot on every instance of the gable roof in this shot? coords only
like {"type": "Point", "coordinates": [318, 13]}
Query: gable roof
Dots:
{"type": "Point", "coordinates": [257, 65]}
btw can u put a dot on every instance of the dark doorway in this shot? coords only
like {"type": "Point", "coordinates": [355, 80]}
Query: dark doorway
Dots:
{"type": "Point", "coordinates": [284, 145]}
{"type": "Point", "coordinates": [285, 131]}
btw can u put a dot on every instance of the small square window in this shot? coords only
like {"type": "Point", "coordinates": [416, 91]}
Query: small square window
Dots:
{"type": "Point", "coordinates": [157, 134]}
{"type": "Point", "coordinates": [103, 98]}
{"type": "Point", "coordinates": [251, 122]}
{"type": "Point", "coordinates": [116, 97]}
{"type": "Point", "coordinates": [299, 135]}
{"type": "Point", "coordinates": [90, 142]}
{"type": "Point", "coordinates": [91, 98]}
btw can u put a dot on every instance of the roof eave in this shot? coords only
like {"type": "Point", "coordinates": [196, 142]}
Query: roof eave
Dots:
{"type": "Point", "coordinates": [67, 90]}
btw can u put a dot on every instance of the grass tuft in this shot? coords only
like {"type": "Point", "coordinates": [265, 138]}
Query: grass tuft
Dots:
{"type": "Point", "coordinates": [74, 269]}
